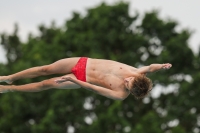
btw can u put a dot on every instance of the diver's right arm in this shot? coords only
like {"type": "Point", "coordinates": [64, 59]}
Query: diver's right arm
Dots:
{"type": "Point", "coordinates": [154, 67]}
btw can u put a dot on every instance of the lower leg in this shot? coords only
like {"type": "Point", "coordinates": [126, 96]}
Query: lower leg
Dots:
{"type": "Point", "coordinates": [39, 86]}
{"type": "Point", "coordinates": [28, 73]}
{"type": "Point", "coordinates": [32, 87]}
{"type": "Point", "coordinates": [26, 88]}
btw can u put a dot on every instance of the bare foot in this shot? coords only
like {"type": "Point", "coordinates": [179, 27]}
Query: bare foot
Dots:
{"type": "Point", "coordinates": [2, 89]}
{"type": "Point", "coordinates": [5, 79]}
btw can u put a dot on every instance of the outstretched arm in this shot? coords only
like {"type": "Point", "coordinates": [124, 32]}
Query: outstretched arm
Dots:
{"type": "Point", "coordinates": [97, 89]}
{"type": "Point", "coordinates": [154, 67]}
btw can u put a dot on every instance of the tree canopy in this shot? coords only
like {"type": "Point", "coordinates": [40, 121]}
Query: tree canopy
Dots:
{"type": "Point", "coordinates": [110, 32]}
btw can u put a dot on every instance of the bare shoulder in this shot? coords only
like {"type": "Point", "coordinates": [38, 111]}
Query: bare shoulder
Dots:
{"type": "Point", "coordinates": [125, 94]}
{"type": "Point", "coordinates": [143, 70]}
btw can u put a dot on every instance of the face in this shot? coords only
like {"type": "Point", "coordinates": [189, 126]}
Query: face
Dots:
{"type": "Point", "coordinates": [128, 82]}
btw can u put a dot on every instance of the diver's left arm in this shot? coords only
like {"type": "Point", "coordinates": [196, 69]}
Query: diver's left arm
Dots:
{"type": "Point", "coordinates": [115, 95]}
{"type": "Point", "coordinates": [154, 67]}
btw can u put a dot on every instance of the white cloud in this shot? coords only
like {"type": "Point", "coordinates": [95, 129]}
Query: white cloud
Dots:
{"type": "Point", "coordinates": [29, 14]}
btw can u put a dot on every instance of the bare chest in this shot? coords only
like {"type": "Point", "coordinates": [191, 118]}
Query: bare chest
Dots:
{"type": "Point", "coordinates": [112, 68]}
{"type": "Point", "coordinates": [108, 81]}
{"type": "Point", "coordinates": [108, 74]}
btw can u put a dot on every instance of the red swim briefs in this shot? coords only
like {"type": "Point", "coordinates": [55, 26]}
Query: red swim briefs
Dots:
{"type": "Point", "coordinates": [79, 70]}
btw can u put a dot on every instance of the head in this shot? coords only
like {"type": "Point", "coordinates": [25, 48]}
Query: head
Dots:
{"type": "Point", "coordinates": [139, 86]}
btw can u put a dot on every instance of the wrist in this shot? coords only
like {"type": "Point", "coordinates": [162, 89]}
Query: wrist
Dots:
{"type": "Point", "coordinates": [162, 66]}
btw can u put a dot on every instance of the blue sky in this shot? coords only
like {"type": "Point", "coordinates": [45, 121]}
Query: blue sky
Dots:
{"type": "Point", "coordinates": [29, 14]}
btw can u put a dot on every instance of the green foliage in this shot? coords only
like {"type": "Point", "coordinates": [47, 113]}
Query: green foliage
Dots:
{"type": "Point", "coordinates": [107, 31]}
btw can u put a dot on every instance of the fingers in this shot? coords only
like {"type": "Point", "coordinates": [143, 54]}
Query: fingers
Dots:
{"type": "Point", "coordinates": [167, 66]}
{"type": "Point", "coordinates": [62, 79]}
{"type": "Point", "coordinates": [58, 81]}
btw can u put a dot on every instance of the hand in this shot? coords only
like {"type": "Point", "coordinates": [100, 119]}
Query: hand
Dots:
{"type": "Point", "coordinates": [166, 66]}
{"type": "Point", "coordinates": [63, 79]}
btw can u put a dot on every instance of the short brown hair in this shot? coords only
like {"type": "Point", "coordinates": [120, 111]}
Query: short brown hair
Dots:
{"type": "Point", "coordinates": [141, 86]}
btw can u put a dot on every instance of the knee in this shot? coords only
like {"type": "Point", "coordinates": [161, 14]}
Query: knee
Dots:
{"type": "Point", "coordinates": [47, 84]}
{"type": "Point", "coordinates": [45, 69]}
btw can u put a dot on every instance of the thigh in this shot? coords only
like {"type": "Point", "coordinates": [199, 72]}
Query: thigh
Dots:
{"type": "Point", "coordinates": [50, 83]}
{"type": "Point", "coordinates": [63, 66]}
